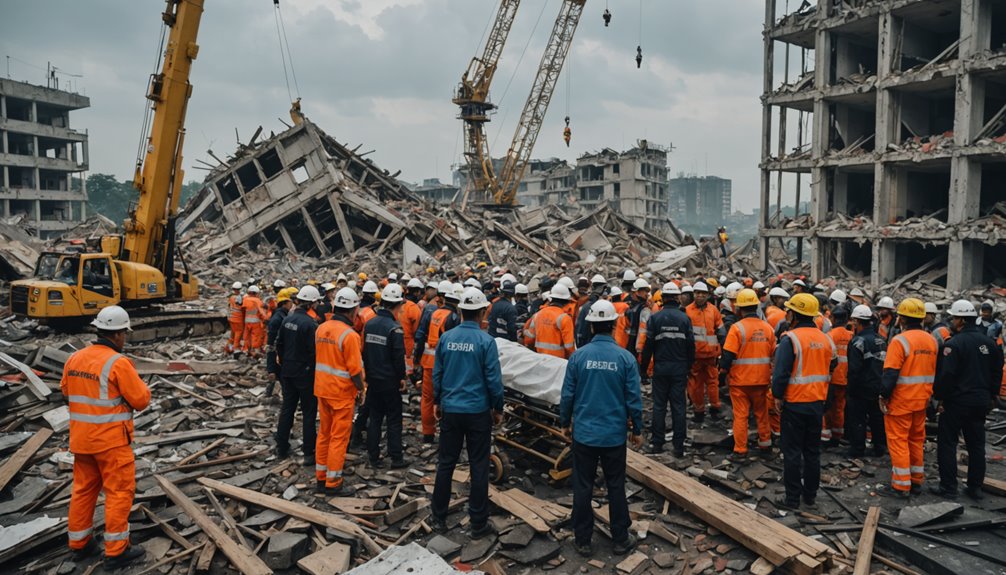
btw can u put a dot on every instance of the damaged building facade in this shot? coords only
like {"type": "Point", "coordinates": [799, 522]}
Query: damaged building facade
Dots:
{"type": "Point", "coordinates": [42, 159]}
{"type": "Point", "coordinates": [904, 151]}
{"type": "Point", "coordinates": [633, 182]}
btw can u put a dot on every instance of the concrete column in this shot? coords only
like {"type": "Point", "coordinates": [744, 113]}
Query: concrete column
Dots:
{"type": "Point", "coordinates": [3, 106]}
{"type": "Point", "coordinates": [6, 178]}
{"type": "Point", "coordinates": [964, 265]}
{"type": "Point", "coordinates": [38, 180]}
{"type": "Point", "coordinates": [883, 262]}
{"type": "Point", "coordinates": [34, 112]}
{"type": "Point", "coordinates": [38, 210]}
{"type": "Point", "coordinates": [34, 146]}
{"type": "Point", "coordinates": [766, 127]}
{"type": "Point", "coordinates": [3, 144]}
{"type": "Point", "coordinates": [976, 27]}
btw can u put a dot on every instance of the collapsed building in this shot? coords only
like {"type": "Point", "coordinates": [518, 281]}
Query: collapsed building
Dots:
{"type": "Point", "coordinates": [906, 151]}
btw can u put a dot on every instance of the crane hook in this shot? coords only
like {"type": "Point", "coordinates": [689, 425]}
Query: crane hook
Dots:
{"type": "Point", "coordinates": [639, 56]}
{"type": "Point", "coordinates": [607, 17]}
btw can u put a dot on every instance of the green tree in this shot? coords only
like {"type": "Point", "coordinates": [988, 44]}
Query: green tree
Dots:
{"type": "Point", "coordinates": [111, 198]}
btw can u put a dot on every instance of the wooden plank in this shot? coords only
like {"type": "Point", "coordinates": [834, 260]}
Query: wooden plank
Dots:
{"type": "Point", "coordinates": [205, 559]}
{"type": "Point", "coordinates": [167, 529]}
{"type": "Point", "coordinates": [783, 547]}
{"type": "Point", "coordinates": [518, 509]}
{"type": "Point", "coordinates": [12, 466]}
{"type": "Point", "coordinates": [216, 443]}
{"type": "Point", "coordinates": [182, 436]}
{"type": "Point", "coordinates": [993, 486]}
{"type": "Point", "coordinates": [332, 560]}
{"type": "Point", "coordinates": [243, 559]}
{"type": "Point", "coordinates": [171, 559]}
{"type": "Point", "coordinates": [35, 383]}
{"type": "Point", "coordinates": [406, 509]}
{"type": "Point", "coordinates": [552, 513]}
{"type": "Point", "coordinates": [864, 554]}
{"type": "Point", "coordinates": [294, 509]}
{"type": "Point", "coordinates": [187, 391]}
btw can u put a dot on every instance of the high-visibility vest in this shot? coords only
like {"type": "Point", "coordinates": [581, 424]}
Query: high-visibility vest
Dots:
{"type": "Point", "coordinates": [236, 311]}
{"type": "Point", "coordinates": [884, 328]}
{"type": "Point", "coordinates": [823, 323]}
{"type": "Point", "coordinates": [364, 315]}
{"type": "Point", "coordinates": [942, 334]}
{"type": "Point", "coordinates": [621, 333]}
{"type": "Point", "coordinates": [811, 372]}
{"type": "Point", "coordinates": [913, 353]}
{"type": "Point", "coordinates": [753, 342]}
{"type": "Point", "coordinates": [252, 306]}
{"type": "Point", "coordinates": [841, 337]}
{"type": "Point", "coordinates": [437, 321]}
{"type": "Point", "coordinates": [102, 388]}
{"type": "Point", "coordinates": [338, 357]}
{"type": "Point", "coordinates": [552, 332]}
{"type": "Point", "coordinates": [705, 322]}
{"type": "Point", "coordinates": [774, 316]}
{"type": "Point", "coordinates": [408, 317]}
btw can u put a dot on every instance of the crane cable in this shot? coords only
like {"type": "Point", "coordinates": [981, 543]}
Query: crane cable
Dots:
{"type": "Point", "coordinates": [516, 69]}
{"type": "Point", "coordinates": [285, 55]}
{"type": "Point", "coordinates": [148, 107]}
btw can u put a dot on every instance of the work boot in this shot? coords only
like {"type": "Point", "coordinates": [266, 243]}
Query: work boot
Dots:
{"type": "Point", "coordinates": [715, 413]}
{"type": "Point", "coordinates": [282, 452]}
{"type": "Point", "coordinates": [888, 491]}
{"type": "Point", "coordinates": [974, 493]}
{"type": "Point", "coordinates": [739, 458]}
{"type": "Point", "coordinates": [132, 553]}
{"type": "Point", "coordinates": [90, 549]}
{"type": "Point", "coordinates": [943, 492]}
{"type": "Point", "coordinates": [623, 547]}
{"type": "Point", "coordinates": [438, 525]}
{"type": "Point", "coordinates": [679, 452]}
{"type": "Point", "coordinates": [698, 417]}
{"type": "Point", "coordinates": [343, 490]}
{"type": "Point", "coordinates": [319, 487]}
{"type": "Point", "coordinates": [378, 463]}
{"type": "Point", "coordinates": [810, 502]}
{"type": "Point", "coordinates": [400, 463]}
{"type": "Point", "coordinates": [429, 439]}
{"type": "Point", "coordinates": [481, 531]}
{"type": "Point", "coordinates": [585, 550]}
{"type": "Point", "coordinates": [654, 449]}
{"type": "Point", "coordinates": [786, 503]}
{"type": "Point", "coordinates": [916, 489]}
{"type": "Point", "coordinates": [309, 459]}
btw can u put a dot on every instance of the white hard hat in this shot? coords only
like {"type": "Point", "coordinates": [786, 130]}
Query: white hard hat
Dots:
{"type": "Point", "coordinates": [546, 296]}
{"type": "Point", "coordinates": [406, 277]}
{"type": "Point", "coordinates": [640, 284]}
{"type": "Point", "coordinates": [687, 288]}
{"type": "Point", "coordinates": [236, 285]}
{"type": "Point", "coordinates": [445, 287]}
{"type": "Point", "coordinates": [628, 276]}
{"type": "Point", "coordinates": [862, 312]}
{"type": "Point", "coordinates": [560, 291]}
{"type": "Point", "coordinates": [931, 308]}
{"type": "Point", "coordinates": [392, 276]}
{"type": "Point", "coordinates": [701, 286]}
{"type": "Point", "coordinates": [473, 298]}
{"type": "Point", "coordinates": [472, 282]}
{"type": "Point", "coordinates": [309, 294]}
{"type": "Point", "coordinates": [114, 318]}
{"type": "Point", "coordinates": [345, 298]}
{"type": "Point", "coordinates": [615, 290]}
{"type": "Point", "coordinates": [253, 289]}
{"type": "Point", "coordinates": [415, 283]}
{"type": "Point", "coordinates": [720, 291]}
{"type": "Point", "coordinates": [341, 277]}
{"type": "Point", "coordinates": [279, 284]}
{"type": "Point", "coordinates": [960, 308]}
{"type": "Point", "coordinates": [670, 288]}
{"type": "Point", "coordinates": [327, 287]}
{"type": "Point", "coordinates": [455, 292]}
{"type": "Point", "coordinates": [598, 279]}
{"type": "Point", "coordinates": [497, 269]}
{"type": "Point", "coordinates": [838, 296]}
{"type": "Point", "coordinates": [886, 303]}
{"type": "Point", "coordinates": [392, 293]}
{"type": "Point", "coordinates": [369, 287]}
{"type": "Point", "coordinates": [520, 289]}
{"type": "Point", "coordinates": [819, 287]}
{"type": "Point", "coordinates": [758, 285]}
{"type": "Point", "coordinates": [566, 281]}
{"type": "Point", "coordinates": [432, 284]}
{"type": "Point", "coordinates": [733, 289]}
{"type": "Point", "coordinates": [778, 292]}
{"type": "Point", "coordinates": [857, 292]}
{"type": "Point", "coordinates": [800, 282]}
{"type": "Point", "coordinates": [352, 284]}
{"type": "Point", "coordinates": [602, 310]}
{"type": "Point", "coordinates": [647, 275]}
{"type": "Point", "coordinates": [723, 279]}
{"type": "Point", "coordinates": [508, 277]}
{"type": "Point", "coordinates": [726, 305]}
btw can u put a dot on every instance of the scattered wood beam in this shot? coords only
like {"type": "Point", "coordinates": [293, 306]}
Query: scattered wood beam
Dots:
{"type": "Point", "coordinates": [865, 551]}
{"type": "Point", "coordinates": [12, 466]}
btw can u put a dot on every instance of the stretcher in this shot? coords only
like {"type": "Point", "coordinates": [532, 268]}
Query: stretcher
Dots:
{"type": "Point", "coordinates": [532, 388]}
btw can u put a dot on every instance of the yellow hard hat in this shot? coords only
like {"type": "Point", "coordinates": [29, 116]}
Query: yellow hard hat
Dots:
{"type": "Point", "coordinates": [312, 282]}
{"type": "Point", "coordinates": [803, 304]}
{"type": "Point", "coordinates": [658, 297]}
{"type": "Point", "coordinates": [286, 294]}
{"type": "Point", "coordinates": [712, 282]}
{"type": "Point", "coordinates": [912, 307]}
{"type": "Point", "coordinates": [747, 298]}
{"type": "Point", "coordinates": [361, 276]}
{"type": "Point", "coordinates": [430, 271]}
{"type": "Point", "coordinates": [482, 265]}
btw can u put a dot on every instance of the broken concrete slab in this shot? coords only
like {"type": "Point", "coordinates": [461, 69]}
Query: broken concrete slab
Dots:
{"type": "Point", "coordinates": [519, 536]}
{"type": "Point", "coordinates": [284, 548]}
{"type": "Point", "coordinates": [410, 558]}
{"type": "Point", "coordinates": [918, 515]}
{"type": "Point", "coordinates": [443, 546]}
{"type": "Point", "coordinates": [539, 550]}
{"type": "Point", "coordinates": [477, 549]}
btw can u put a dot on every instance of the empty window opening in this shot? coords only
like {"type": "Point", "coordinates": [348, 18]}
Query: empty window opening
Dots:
{"type": "Point", "coordinates": [228, 189]}
{"type": "Point", "coordinates": [926, 115]}
{"type": "Point", "coordinates": [853, 60]}
{"type": "Point", "coordinates": [51, 116]}
{"type": "Point", "coordinates": [910, 256]}
{"type": "Point", "coordinates": [20, 144]}
{"type": "Point", "coordinates": [993, 189]}
{"type": "Point", "coordinates": [928, 194]}
{"type": "Point", "coordinates": [300, 173]}
{"type": "Point", "coordinates": [928, 43]}
{"type": "Point", "coordinates": [52, 180]}
{"type": "Point", "coordinates": [994, 116]}
{"type": "Point", "coordinates": [54, 211]}
{"type": "Point", "coordinates": [21, 177]}
{"type": "Point", "coordinates": [18, 109]}
{"type": "Point", "coordinates": [993, 263]}
{"type": "Point", "coordinates": [997, 40]}
{"type": "Point", "coordinates": [24, 208]}
{"type": "Point", "coordinates": [270, 163]}
{"type": "Point", "coordinates": [850, 193]}
{"type": "Point", "coordinates": [249, 177]}
{"type": "Point", "coordinates": [852, 129]}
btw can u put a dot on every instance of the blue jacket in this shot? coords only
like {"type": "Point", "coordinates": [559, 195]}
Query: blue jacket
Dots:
{"type": "Point", "coordinates": [670, 342]}
{"type": "Point", "coordinates": [466, 372]}
{"type": "Point", "coordinates": [295, 348]}
{"type": "Point", "coordinates": [601, 393]}
{"type": "Point", "coordinates": [383, 352]}
{"type": "Point", "coordinates": [583, 332]}
{"type": "Point", "coordinates": [503, 319]}
{"type": "Point", "coordinates": [272, 332]}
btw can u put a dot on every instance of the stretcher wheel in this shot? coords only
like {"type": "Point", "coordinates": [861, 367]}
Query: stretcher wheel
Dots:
{"type": "Point", "coordinates": [499, 467]}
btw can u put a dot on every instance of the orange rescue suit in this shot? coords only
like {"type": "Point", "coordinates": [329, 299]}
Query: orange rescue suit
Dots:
{"type": "Point", "coordinates": [913, 353]}
{"type": "Point", "coordinates": [236, 319]}
{"type": "Point", "coordinates": [254, 325]}
{"type": "Point", "coordinates": [338, 357]}
{"type": "Point", "coordinates": [834, 418]}
{"type": "Point", "coordinates": [752, 341]}
{"type": "Point", "coordinates": [437, 321]}
{"type": "Point", "coordinates": [409, 315]}
{"type": "Point", "coordinates": [551, 332]}
{"type": "Point", "coordinates": [703, 381]}
{"type": "Point", "coordinates": [621, 333]}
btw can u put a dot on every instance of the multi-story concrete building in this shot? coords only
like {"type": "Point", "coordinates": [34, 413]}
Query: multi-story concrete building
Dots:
{"type": "Point", "coordinates": [548, 182]}
{"type": "Point", "coordinates": [42, 160]}
{"type": "Point", "coordinates": [699, 204]}
{"type": "Point", "coordinates": [905, 101]}
{"type": "Point", "coordinates": [633, 182]}
{"type": "Point", "coordinates": [435, 191]}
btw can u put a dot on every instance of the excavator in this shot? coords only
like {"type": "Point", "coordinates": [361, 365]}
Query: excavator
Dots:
{"type": "Point", "coordinates": [139, 267]}
{"type": "Point", "coordinates": [473, 98]}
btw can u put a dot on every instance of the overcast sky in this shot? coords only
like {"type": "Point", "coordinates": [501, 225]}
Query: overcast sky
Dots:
{"type": "Point", "coordinates": [381, 72]}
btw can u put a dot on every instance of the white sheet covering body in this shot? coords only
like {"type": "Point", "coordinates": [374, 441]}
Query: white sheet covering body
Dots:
{"type": "Point", "coordinates": [536, 375]}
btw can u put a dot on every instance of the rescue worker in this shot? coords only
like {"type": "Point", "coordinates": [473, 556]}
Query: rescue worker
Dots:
{"type": "Point", "coordinates": [324, 306]}
{"type": "Point", "coordinates": [670, 343]}
{"type": "Point", "coordinates": [638, 313]}
{"type": "Point", "coordinates": [295, 353]}
{"type": "Point", "coordinates": [703, 381]}
{"type": "Point", "coordinates": [598, 285]}
{"type": "Point", "coordinates": [800, 286]}
{"type": "Point", "coordinates": [338, 385]}
{"type": "Point", "coordinates": [939, 329]}
{"type": "Point", "coordinates": [639, 57]}
{"type": "Point", "coordinates": [103, 390]}
{"type": "Point", "coordinates": [628, 279]}
{"type": "Point", "coordinates": [254, 336]}
{"type": "Point", "coordinates": [366, 311]}
{"type": "Point", "coordinates": [992, 325]}
{"type": "Point", "coordinates": [866, 354]}
{"type": "Point", "coordinates": [774, 313]}
{"type": "Point", "coordinates": [728, 315]}
{"type": "Point", "coordinates": [384, 363]}
{"type": "Point", "coordinates": [858, 296]}
{"type": "Point", "coordinates": [503, 314]}
{"type": "Point", "coordinates": [687, 296]}
{"type": "Point", "coordinates": [804, 359]}
{"type": "Point", "coordinates": [621, 332]}
{"type": "Point", "coordinates": [722, 236]}
{"type": "Point", "coordinates": [551, 329]}
{"type": "Point", "coordinates": [600, 403]}
{"type": "Point", "coordinates": [408, 316]}
{"type": "Point", "coordinates": [833, 427]}
{"type": "Point", "coordinates": [909, 372]}
{"type": "Point", "coordinates": [971, 371]}
{"type": "Point", "coordinates": [746, 365]}
{"type": "Point", "coordinates": [468, 400]}
{"type": "Point", "coordinates": [838, 299]}
{"type": "Point", "coordinates": [272, 301]}
{"type": "Point", "coordinates": [284, 305]}
{"type": "Point", "coordinates": [521, 304]}
{"type": "Point", "coordinates": [236, 319]}
{"type": "Point", "coordinates": [886, 327]}
{"type": "Point", "coordinates": [430, 294]}
{"type": "Point", "coordinates": [441, 321]}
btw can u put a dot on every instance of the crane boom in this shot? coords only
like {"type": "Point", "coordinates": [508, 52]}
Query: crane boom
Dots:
{"type": "Point", "coordinates": [473, 96]}
{"type": "Point", "coordinates": [504, 188]}
{"type": "Point", "coordinates": [149, 237]}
